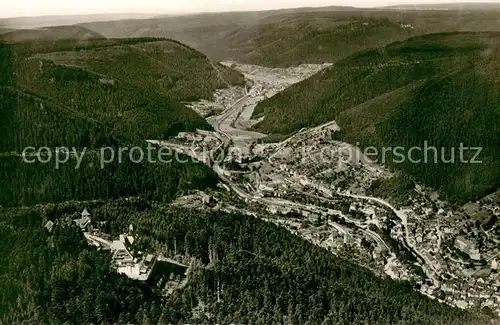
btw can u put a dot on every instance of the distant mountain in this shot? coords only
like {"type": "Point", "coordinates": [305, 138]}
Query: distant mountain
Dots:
{"type": "Point", "coordinates": [5, 30]}
{"type": "Point", "coordinates": [465, 6]}
{"type": "Point", "coordinates": [77, 33]}
{"type": "Point", "coordinates": [291, 36]}
{"type": "Point", "coordinates": [443, 89]}
{"type": "Point", "coordinates": [263, 13]}
{"type": "Point", "coordinates": [44, 21]}
{"type": "Point", "coordinates": [270, 38]}
{"type": "Point", "coordinates": [316, 37]}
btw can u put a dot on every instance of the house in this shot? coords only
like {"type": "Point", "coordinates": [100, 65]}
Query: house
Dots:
{"type": "Point", "coordinates": [494, 264]}
{"type": "Point", "coordinates": [85, 213]}
{"type": "Point", "coordinates": [106, 81]}
{"type": "Point", "coordinates": [206, 199]}
{"type": "Point", "coordinates": [149, 259]}
{"type": "Point", "coordinates": [49, 226]}
{"type": "Point", "coordinates": [265, 188]}
{"type": "Point", "coordinates": [406, 26]}
{"type": "Point", "coordinates": [463, 244]}
{"type": "Point", "coordinates": [121, 255]}
{"type": "Point", "coordinates": [85, 222]}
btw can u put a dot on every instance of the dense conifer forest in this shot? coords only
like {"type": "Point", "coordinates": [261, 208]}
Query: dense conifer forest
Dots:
{"type": "Point", "coordinates": [243, 270]}
{"type": "Point", "coordinates": [439, 89]}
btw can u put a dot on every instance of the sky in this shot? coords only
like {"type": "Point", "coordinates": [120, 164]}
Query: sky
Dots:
{"type": "Point", "coordinates": [17, 8]}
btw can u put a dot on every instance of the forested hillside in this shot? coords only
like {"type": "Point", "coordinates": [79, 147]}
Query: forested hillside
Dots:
{"type": "Point", "coordinates": [290, 37]}
{"type": "Point", "coordinates": [57, 278]}
{"type": "Point", "coordinates": [167, 67]}
{"type": "Point", "coordinates": [248, 271]}
{"type": "Point", "coordinates": [26, 184]}
{"type": "Point", "coordinates": [93, 94]}
{"type": "Point", "coordinates": [293, 40]}
{"type": "Point", "coordinates": [73, 94]}
{"type": "Point", "coordinates": [86, 113]}
{"type": "Point", "coordinates": [439, 88]}
{"type": "Point", "coordinates": [77, 33]}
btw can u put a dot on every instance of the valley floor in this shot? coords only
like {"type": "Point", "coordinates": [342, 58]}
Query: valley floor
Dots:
{"type": "Point", "coordinates": [317, 188]}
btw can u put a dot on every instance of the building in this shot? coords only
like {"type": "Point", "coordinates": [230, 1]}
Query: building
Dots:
{"type": "Point", "coordinates": [468, 247]}
{"type": "Point", "coordinates": [85, 213]}
{"type": "Point", "coordinates": [85, 222]}
{"type": "Point", "coordinates": [463, 244]}
{"type": "Point", "coordinates": [149, 260]}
